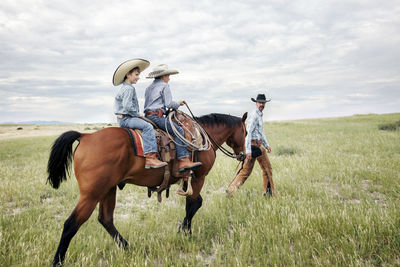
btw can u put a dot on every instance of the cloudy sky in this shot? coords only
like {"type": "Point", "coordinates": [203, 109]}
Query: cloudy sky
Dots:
{"type": "Point", "coordinates": [313, 58]}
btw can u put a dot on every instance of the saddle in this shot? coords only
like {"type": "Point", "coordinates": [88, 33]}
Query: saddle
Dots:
{"type": "Point", "coordinates": [196, 139]}
{"type": "Point", "coordinates": [167, 151]}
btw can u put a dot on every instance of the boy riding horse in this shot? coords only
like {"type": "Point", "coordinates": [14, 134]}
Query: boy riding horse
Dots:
{"type": "Point", "coordinates": [158, 98]}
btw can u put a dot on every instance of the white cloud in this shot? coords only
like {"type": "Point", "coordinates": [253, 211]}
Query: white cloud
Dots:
{"type": "Point", "coordinates": [313, 58]}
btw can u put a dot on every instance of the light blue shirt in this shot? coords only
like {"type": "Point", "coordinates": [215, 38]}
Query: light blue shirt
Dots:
{"type": "Point", "coordinates": [158, 96]}
{"type": "Point", "coordinates": [255, 129]}
{"type": "Point", "coordinates": [126, 101]}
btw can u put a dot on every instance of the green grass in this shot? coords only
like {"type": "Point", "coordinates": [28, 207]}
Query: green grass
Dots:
{"type": "Point", "coordinates": [390, 126]}
{"type": "Point", "coordinates": [338, 192]}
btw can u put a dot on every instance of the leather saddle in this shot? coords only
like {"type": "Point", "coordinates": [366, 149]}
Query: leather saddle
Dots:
{"type": "Point", "coordinates": [165, 141]}
{"type": "Point", "coordinates": [167, 153]}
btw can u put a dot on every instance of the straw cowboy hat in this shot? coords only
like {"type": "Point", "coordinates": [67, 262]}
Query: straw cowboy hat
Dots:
{"type": "Point", "coordinates": [127, 66]}
{"type": "Point", "coordinates": [260, 98]}
{"type": "Point", "coordinates": [161, 70]}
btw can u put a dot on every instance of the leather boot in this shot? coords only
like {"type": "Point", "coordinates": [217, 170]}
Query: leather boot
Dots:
{"type": "Point", "coordinates": [152, 161]}
{"type": "Point", "coordinates": [185, 164]}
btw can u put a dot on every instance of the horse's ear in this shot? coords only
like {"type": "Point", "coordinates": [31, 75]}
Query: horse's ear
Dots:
{"type": "Point", "coordinates": [244, 117]}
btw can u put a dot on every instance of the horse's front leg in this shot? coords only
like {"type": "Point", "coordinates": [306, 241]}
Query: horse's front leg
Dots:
{"type": "Point", "coordinates": [193, 203]}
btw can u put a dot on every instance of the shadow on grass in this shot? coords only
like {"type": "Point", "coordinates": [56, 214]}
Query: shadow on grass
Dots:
{"type": "Point", "coordinates": [390, 126]}
{"type": "Point", "coordinates": [286, 151]}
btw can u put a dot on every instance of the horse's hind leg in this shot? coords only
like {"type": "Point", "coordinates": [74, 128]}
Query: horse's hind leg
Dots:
{"type": "Point", "coordinates": [79, 215]}
{"type": "Point", "coordinates": [106, 213]}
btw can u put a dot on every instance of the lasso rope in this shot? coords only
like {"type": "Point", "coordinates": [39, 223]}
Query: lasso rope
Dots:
{"type": "Point", "coordinates": [206, 137]}
{"type": "Point", "coordinates": [191, 145]}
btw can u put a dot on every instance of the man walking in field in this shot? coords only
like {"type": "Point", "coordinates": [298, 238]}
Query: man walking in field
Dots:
{"type": "Point", "coordinates": [256, 143]}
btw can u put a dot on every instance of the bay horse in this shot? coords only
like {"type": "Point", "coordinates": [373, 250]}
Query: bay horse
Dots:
{"type": "Point", "coordinates": [105, 158]}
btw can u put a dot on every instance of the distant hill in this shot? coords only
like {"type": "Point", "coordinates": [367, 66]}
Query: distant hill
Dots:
{"type": "Point", "coordinates": [38, 122]}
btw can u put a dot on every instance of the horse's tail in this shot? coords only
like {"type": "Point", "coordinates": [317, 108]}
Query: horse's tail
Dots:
{"type": "Point", "coordinates": [60, 158]}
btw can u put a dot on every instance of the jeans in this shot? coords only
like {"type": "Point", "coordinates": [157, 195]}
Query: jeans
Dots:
{"type": "Point", "coordinates": [149, 138]}
{"type": "Point", "coordinates": [181, 150]}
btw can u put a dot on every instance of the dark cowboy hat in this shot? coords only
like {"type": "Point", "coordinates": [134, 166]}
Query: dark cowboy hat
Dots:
{"type": "Point", "coordinates": [260, 98]}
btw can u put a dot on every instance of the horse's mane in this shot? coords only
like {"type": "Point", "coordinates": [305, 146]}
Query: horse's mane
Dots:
{"type": "Point", "coordinates": [217, 119]}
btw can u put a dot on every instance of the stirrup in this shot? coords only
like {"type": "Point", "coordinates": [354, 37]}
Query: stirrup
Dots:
{"type": "Point", "coordinates": [189, 189]}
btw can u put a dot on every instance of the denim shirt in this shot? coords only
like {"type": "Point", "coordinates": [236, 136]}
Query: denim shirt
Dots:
{"type": "Point", "coordinates": [158, 96]}
{"type": "Point", "coordinates": [126, 101]}
{"type": "Point", "coordinates": [255, 130]}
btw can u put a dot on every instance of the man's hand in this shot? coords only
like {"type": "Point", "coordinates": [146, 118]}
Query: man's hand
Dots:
{"type": "Point", "coordinates": [248, 156]}
{"type": "Point", "coordinates": [182, 102]}
{"type": "Point", "coordinates": [269, 149]}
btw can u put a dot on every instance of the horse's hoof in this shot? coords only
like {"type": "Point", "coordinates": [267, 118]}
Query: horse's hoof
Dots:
{"type": "Point", "coordinates": [188, 232]}
{"type": "Point", "coordinates": [126, 246]}
{"type": "Point", "coordinates": [185, 230]}
{"type": "Point", "coordinates": [57, 264]}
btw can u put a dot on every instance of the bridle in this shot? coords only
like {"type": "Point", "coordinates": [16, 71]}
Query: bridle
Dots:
{"type": "Point", "coordinates": [241, 156]}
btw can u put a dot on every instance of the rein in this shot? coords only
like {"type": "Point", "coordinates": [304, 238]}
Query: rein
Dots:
{"type": "Point", "coordinates": [239, 157]}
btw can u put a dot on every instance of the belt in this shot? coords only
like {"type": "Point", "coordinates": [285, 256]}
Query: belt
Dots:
{"type": "Point", "coordinates": [123, 115]}
{"type": "Point", "coordinates": [158, 112]}
{"type": "Point", "coordinates": [256, 142]}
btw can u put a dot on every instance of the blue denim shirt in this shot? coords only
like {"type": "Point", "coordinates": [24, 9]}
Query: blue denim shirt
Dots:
{"type": "Point", "coordinates": [158, 96]}
{"type": "Point", "coordinates": [255, 129]}
{"type": "Point", "coordinates": [126, 101]}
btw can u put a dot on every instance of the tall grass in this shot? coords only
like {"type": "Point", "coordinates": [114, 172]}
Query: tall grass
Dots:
{"type": "Point", "coordinates": [337, 203]}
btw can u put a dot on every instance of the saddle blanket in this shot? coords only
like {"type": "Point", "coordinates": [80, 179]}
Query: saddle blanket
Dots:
{"type": "Point", "coordinates": [136, 141]}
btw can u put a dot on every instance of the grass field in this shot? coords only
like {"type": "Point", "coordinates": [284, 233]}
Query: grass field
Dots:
{"type": "Point", "coordinates": [337, 203]}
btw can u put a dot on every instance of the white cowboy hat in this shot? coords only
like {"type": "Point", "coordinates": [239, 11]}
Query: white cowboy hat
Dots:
{"type": "Point", "coordinates": [161, 70]}
{"type": "Point", "coordinates": [127, 66]}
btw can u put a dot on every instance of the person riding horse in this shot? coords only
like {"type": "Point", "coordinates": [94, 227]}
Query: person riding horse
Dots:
{"type": "Point", "coordinates": [126, 107]}
{"type": "Point", "coordinates": [158, 99]}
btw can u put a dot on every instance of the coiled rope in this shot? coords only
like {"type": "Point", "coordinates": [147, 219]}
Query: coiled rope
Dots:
{"type": "Point", "coordinates": [206, 137]}
{"type": "Point", "coordinates": [190, 145]}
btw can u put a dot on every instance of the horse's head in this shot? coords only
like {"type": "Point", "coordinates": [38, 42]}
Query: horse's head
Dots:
{"type": "Point", "coordinates": [226, 128]}
{"type": "Point", "coordinates": [237, 139]}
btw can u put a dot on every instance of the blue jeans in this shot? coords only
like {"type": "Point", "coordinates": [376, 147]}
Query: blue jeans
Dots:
{"type": "Point", "coordinates": [149, 138]}
{"type": "Point", "coordinates": [181, 150]}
